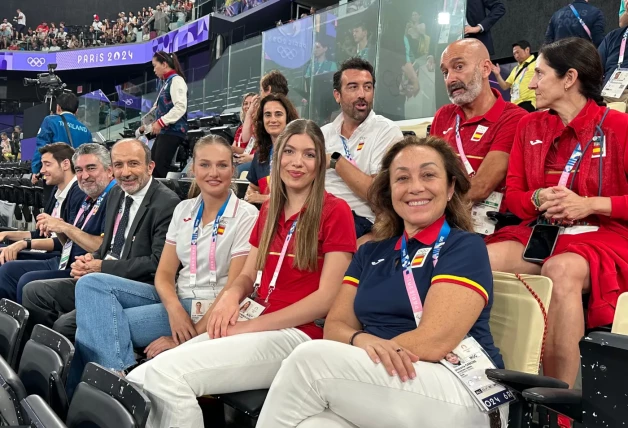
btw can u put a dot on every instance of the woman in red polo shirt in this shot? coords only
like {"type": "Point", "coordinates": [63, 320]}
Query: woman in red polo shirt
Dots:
{"type": "Point", "coordinates": [274, 113]}
{"type": "Point", "coordinates": [295, 291]}
{"type": "Point", "coordinates": [408, 301]}
{"type": "Point", "coordinates": [583, 193]}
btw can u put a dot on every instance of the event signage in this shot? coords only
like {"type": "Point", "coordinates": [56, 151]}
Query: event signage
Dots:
{"type": "Point", "coordinates": [124, 54]}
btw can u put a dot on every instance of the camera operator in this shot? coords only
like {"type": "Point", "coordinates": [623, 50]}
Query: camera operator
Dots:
{"type": "Point", "coordinates": [63, 127]}
{"type": "Point", "coordinates": [20, 19]}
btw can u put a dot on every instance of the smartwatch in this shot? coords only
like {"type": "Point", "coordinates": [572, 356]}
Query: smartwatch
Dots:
{"type": "Point", "coordinates": [28, 243]}
{"type": "Point", "coordinates": [334, 159]}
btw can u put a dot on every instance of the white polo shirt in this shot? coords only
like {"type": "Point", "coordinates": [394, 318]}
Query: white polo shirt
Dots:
{"type": "Point", "coordinates": [232, 241]}
{"type": "Point", "coordinates": [367, 145]}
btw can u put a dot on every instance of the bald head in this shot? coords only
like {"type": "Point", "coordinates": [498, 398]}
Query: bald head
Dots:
{"type": "Point", "coordinates": [466, 66]}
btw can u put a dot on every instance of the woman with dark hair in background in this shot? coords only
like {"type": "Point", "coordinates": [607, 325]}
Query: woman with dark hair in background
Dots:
{"type": "Point", "coordinates": [407, 300]}
{"type": "Point", "coordinates": [171, 119]}
{"type": "Point", "coordinates": [274, 113]}
{"type": "Point", "coordinates": [568, 173]}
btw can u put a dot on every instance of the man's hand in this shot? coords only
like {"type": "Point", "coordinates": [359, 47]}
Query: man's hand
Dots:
{"type": "Point", "coordinates": [84, 265]}
{"type": "Point", "coordinates": [158, 346]}
{"type": "Point", "coordinates": [496, 69]}
{"type": "Point", "coordinates": [34, 179]}
{"type": "Point", "coordinates": [472, 30]}
{"type": "Point", "coordinates": [48, 224]}
{"type": "Point", "coordinates": [10, 252]}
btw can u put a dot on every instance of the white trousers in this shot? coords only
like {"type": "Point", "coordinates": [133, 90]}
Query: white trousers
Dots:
{"type": "Point", "coordinates": [323, 376]}
{"type": "Point", "coordinates": [203, 366]}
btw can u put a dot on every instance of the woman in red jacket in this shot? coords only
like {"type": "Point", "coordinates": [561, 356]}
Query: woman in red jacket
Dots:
{"type": "Point", "coordinates": [568, 167]}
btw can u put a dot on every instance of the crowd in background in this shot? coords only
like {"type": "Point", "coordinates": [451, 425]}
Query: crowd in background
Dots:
{"type": "Point", "coordinates": [125, 28]}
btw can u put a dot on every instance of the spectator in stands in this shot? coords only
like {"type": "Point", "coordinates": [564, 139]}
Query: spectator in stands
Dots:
{"type": "Point", "coordinates": [274, 113]}
{"type": "Point", "coordinates": [361, 38]}
{"type": "Point", "coordinates": [42, 30]}
{"type": "Point", "coordinates": [587, 198]}
{"type": "Point", "coordinates": [274, 82]}
{"type": "Point", "coordinates": [479, 22]}
{"type": "Point", "coordinates": [610, 50]}
{"type": "Point", "coordinates": [75, 235]}
{"type": "Point", "coordinates": [21, 25]}
{"type": "Point", "coordinates": [54, 47]}
{"type": "Point", "coordinates": [5, 145]}
{"type": "Point", "coordinates": [623, 15]}
{"type": "Point", "coordinates": [171, 126]}
{"type": "Point", "coordinates": [479, 125]}
{"type": "Point", "coordinates": [320, 64]}
{"type": "Point", "coordinates": [16, 140]}
{"type": "Point", "coordinates": [6, 33]}
{"type": "Point", "coordinates": [62, 127]}
{"type": "Point", "coordinates": [356, 141]}
{"type": "Point", "coordinates": [244, 151]}
{"type": "Point", "coordinates": [519, 77]}
{"type": "Point", "coordinates": [131, 248]}
{"type": "Point", "coordinates": [160, 317]}
{"type": "Point", "coordinates": [578, 19]}
{"type": "Point", "coordinates": [373, 310]}
{"type": "Point", "coordinates": [244, 355]}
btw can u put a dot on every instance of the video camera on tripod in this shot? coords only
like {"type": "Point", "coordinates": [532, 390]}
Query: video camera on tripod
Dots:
{"type": "Point", "coordinates": [49, 81]}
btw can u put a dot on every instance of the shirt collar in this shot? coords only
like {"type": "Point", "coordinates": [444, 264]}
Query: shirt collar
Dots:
{"type": "Point", "coordinates": [492, 115]}
{"type": "Point", "coordinates": [168, 74]}
{"type": "Point", "coordinates": [341, 118]}
{"type": "Point", "coordinates": [584, 123]}
{"type": "Point", "coordinates": [427, 236]}
{"type": "Point", "coordinates": [63, 194]}
{"type": "Point", "coordinates": [527, 62]}
{"type": "Point", "coordinates": [137, 197]}
{"type": "Point", "coordinates": [230, 211]}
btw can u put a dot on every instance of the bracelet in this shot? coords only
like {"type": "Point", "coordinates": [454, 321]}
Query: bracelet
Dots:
{"type": "Point", "coordinates": [357, 333]}
{"type": "Point", "coordinates": [535, 199]}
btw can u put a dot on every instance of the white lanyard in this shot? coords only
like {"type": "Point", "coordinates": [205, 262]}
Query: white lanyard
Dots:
{"type": "Point", "coordinates": [273, 281]}
{"type": "Point", "coordinates": [463, 156]}
{"type": "Point", "coordinates": [212, 247]}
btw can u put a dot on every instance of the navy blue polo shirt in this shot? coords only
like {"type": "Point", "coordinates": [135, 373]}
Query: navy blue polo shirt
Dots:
{"type": "Point", "coordinates": [382, 304]}
{"type": "Point", "coordinates": [95, 226]}
{"type": "Point", "coordinates": [259, 174]}
{"type": "Point", "coordinates": [609, 52]}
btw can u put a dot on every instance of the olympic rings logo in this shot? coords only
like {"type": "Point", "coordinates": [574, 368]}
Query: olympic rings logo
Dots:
{"type": "Point", "coordinates": [286, 52]}
{"type": "Point", "coordinates": [36, 62]}
{"type": "Point", "coordinates": [128, 102]}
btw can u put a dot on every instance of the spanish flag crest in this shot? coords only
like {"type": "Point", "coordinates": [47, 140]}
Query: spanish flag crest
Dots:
{"type": "Point", "coordinates": [419, 257]}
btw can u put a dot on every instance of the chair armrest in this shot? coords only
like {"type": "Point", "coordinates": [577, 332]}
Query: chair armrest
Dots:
{"type": "Point", "coordinates": [567, 402]}
{"type": "Point", "coordinates": [519, 381]}
{"type": "Point", "coordinates": [58, 397]}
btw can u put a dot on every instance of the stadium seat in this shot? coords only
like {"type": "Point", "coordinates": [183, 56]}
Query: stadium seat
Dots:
{"type": "Point", "coordinates": [39, 414]}
{"type": "Point", "coordinates": [105, 400]}
{"type": "Point", "coordinates": [13, 319]}
{"type": "Point", "coordinates": [11, 393]}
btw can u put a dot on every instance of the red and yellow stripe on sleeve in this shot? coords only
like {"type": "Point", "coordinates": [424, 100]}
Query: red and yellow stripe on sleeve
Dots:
{"type": "Point", "coordinates": [465, 282]}
{"type": "Point", "coordinates": [351, 281]}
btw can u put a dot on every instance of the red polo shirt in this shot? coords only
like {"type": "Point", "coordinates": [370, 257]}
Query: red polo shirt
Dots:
{"type": "Point", "coordinates": [481, 134]}
{"type": "Point", "coordinates": [336, 233]}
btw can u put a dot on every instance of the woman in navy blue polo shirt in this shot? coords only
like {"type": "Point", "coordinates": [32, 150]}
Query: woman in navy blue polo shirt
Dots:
{"type": "Point", "coordinates": [423, 243]}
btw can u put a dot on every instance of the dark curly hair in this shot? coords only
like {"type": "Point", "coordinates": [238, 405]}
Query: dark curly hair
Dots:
{"type": "Point", "coordinates": [388, 224]}
{"type": "Point", "coordinates": [264, 142]}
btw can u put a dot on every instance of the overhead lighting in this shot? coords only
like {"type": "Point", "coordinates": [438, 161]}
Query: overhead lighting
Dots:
{"type": "Point", "coordinates": [443, 18]}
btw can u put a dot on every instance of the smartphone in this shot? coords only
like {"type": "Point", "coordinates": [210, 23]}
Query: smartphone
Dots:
{"type": "Point", "coordinates": [541, 243]}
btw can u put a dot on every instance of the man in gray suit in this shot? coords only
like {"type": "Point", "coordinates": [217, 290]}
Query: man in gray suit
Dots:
{"type": "Point", "coordinates": [137, 219]}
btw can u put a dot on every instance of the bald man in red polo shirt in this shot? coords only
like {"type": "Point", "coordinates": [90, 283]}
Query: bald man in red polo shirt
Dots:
{"type": "Point", "coordinates": [479, 125]}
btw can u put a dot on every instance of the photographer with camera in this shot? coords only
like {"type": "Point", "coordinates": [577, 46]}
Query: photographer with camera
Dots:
{"type": "Point", "coordinates": [63, 127]}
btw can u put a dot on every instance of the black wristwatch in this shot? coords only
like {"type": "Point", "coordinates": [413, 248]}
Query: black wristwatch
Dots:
{"type": "Point", "coordinates": [334, 159]}
{"type": "Point", "coordinates": [28, 243]}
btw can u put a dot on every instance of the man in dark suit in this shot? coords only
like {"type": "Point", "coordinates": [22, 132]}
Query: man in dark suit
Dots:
{"type": "Point", "coordinates": [137, 219]}
{"type": "Point", "coordinates": [480, 22]}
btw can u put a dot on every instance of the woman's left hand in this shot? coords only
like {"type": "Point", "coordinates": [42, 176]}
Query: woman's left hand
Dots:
{"type": "Point", "coordinates": [158, 346]}
{"type": "Point", "coordinates": [155, 128]}
{"type": "Point", "coordinates": [568, 205]}
{"type": "Point", "coordinates": [242, 327]}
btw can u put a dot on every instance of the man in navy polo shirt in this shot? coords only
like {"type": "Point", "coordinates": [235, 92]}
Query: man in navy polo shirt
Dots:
{"type": "Point", "coordinates": [74, 236]}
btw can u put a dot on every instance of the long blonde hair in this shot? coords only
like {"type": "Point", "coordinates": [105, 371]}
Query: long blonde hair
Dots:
{"type": "Point", "coordinates": [306, 234]}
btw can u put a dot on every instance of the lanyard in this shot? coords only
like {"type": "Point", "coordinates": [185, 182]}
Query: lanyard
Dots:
{"type": "Point", "coordinates": [622, 49]}
{"type": "Point", "coordinates": [55, 211]}
{"type": "Point", "coordinates": [95, 207]}
{"type": "Point", "coordinates": [586, 28]}
{"type": "Point", "coordinates": [571, 163]}
{"type": "Point", "coordinates": [463, 156]}
{"type": "Point", "coordinates": [212, 247]}
{"type": "Point", "coordinates": [408, 276]}
{"type": "Point", "coordinates": [249, 146]}
{"type": "Point", "coordinates": [345, 146]}
{"type": "Point", "coordinates": [273, 281]}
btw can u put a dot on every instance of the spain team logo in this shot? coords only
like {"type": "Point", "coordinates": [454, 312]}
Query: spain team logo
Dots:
{"type": "Point", "coordinates": [361, 145]}
{"type": "Point", "coordinates": [221, 228]}
{"type": "Point", "coordinates": [479, 133]}
{"type": "Point", "coordinates": [419, 257]}
{"type": "Point", "coordinates": [599, 148]}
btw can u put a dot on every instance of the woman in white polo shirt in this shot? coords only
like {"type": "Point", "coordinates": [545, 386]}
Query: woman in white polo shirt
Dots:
{"type": "Point", "coordinates": [115, 315]}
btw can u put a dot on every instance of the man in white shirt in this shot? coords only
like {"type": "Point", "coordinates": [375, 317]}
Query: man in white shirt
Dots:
{"type": "Point", "coordinates": [97, 25]}
{"type": "Point", "coordinates": [21, 24]}
{"type": "Point", "coordinates": [138, 214]}
{"type": "Point", "coordinates": [356, 141]}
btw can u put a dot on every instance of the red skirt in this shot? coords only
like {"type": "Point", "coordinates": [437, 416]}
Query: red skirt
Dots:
{"type": "Point", "coordinates": [606, 252]}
